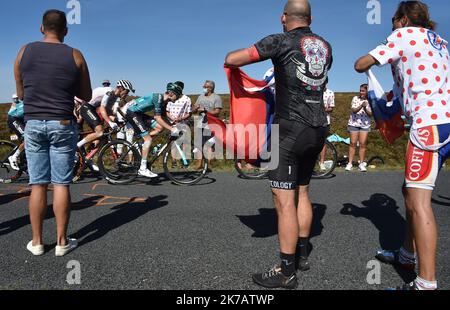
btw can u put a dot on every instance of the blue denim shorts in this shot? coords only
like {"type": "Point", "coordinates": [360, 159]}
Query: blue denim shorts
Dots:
{"type": "Point", "coordinates": [357, 129]}
{"type": "Point", "coordinates": [50, 149]}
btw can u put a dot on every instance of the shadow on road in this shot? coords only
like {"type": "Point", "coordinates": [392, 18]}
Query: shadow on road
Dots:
{"type": "Point", "coordinates": [16, 224]}
{"type": "Point", "coordinates": [4, 199]}
{"type": "Point", "coordinates": [382, 211]}
{"type": "Point", "coordinates": [328, 177]}
{"type": "Point", "coordinates": [265, 225]}
{"type": "Point", "coordinates": [123, 214]}
{"type": "Point", "coordinates": [441, 203]}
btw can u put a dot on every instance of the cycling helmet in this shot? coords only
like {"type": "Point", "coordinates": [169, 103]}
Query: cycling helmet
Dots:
{"type": "Point", "coordinates": [126, 84]}
{"type": "Point", "coordinates": [15, 97]}
{"type": "Point", "coordinates": [175, 88]}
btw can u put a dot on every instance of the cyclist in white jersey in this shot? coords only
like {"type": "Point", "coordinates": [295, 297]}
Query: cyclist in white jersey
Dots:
{"type": "Point", "coordinates": [102, 98]}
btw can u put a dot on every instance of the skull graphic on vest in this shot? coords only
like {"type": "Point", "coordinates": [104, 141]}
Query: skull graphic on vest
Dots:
{"type": "Point", "coordinates": [316, 54]}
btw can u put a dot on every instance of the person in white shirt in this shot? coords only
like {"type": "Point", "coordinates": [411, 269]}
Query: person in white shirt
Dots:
{"type": "Point", "coordinates": [359, 127]}
{"type": "Point", "coordinates": [420, 64]}
{"type": "Point", "coordinates": [329, 102]}
{"type": "Point", "coordinates": [179, 112]}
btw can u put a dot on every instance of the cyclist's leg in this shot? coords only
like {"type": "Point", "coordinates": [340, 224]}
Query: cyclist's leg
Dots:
{"type": "Point", "coordinates": [93, 120]}
{"type": "Point", "coordinates": [136, 120]}
{"type": "Point", "coordinates": [308, 147]}
{"type": "Point", "coordinates": [18, 127]}
{"type": "Point", "coordinates": [283, 182]}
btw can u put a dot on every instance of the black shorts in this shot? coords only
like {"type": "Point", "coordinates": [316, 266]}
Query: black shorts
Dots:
{"type": "Point", "coordinates": [90, 116]}
{"type": "Point", "coordinates": [300, 146]}
{"type": "Point", "coordinates": [17, 125]}
{"type": "Point", "coordinates": [142, 123]}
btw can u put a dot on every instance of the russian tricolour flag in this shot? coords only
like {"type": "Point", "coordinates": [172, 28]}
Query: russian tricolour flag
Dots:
{"type": "Point", "coordinates": [387, 110]}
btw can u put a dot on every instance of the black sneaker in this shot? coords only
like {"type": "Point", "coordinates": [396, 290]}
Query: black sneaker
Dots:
{"type": "Point", "coordinates": [393, 258]}
{"type": "Point", "coordinates": [406, 287]}
{"type": "Point", "coordinates": [274, 278]}
{"type": "Point", "coordinates": [303, 264]}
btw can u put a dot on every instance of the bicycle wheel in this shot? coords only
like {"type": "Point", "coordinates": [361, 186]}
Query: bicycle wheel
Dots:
{"type": "Point", "coordinates": [375, 162]}
{"type": "Point", "coordinates": [7, 174]}
{"type": "Point", "coordinates": [249, 171]}
{"type": "Point", "coordinates": [329, 164]}
{"type": "Point", "coordinates": [78, 169]}
{"type": "Point", "coordinates": [119, 167]}
{"type": "Point", "coordinates": [181, 167]}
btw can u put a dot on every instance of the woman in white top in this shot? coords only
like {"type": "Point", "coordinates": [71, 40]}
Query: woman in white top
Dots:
{"type": "Point", "coordinates": [359, 128]}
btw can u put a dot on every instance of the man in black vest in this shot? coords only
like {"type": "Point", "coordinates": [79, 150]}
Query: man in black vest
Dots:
{"type": "Point", "coordinates": [302, 60]}
{"type": "Point", "coordinates": [49, 74]}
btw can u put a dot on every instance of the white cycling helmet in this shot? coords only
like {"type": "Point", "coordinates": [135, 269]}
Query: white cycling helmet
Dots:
{"type": "Point", "coordinates": [15, 97]}
{"type": "Point", "coordinates": [125, 84]}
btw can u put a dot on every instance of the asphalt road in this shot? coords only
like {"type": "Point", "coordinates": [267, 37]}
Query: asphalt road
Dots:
{"type": "Point", "coordinates": [213, 235]}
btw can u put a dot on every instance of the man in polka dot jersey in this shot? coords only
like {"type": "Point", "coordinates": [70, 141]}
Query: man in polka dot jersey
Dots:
{"type": "Point", "coordinates": [420, 65]}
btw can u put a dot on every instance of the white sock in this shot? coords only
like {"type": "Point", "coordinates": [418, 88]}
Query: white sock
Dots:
{"type": "Point", "coordinates": [424, 285]}
{"type": "Point", "coordinates": [16, 155]}
{"type": "Point", "coordinates": [144, 164]}
{"type": "Point", "coordinates": [407, 257]}
{"type": "Point", "coordinates": [81, 143]}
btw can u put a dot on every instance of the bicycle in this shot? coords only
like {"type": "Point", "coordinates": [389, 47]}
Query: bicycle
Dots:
{"type": "Point", "coordinates": [251, 171]}
{"type": "Point", "coordinates": [7, 173]}
{"type": "Point", "coordinates": [122, 167]}
{"type": "Point", "coordinates": [83, 159]}
{"type": "Point", "coordinates": [332, 160]}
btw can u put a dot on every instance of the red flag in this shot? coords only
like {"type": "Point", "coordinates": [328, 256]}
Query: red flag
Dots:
{"type": "Point", "coordinates": [251, 114]}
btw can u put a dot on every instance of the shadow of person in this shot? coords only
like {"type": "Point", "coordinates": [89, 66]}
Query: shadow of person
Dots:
{"type": "Point", "coordinates": [441, 203]}
{"type": "Point", "coordinates": [382, 211]}
{"type": "Point", "coordinates": [122, 215]}
{"type": "Point", "coordinates": [4, 199]}
{"type": "Point", "coordinates": [16, 224]}
{"type": "Point", "coordinates": [265, 224]}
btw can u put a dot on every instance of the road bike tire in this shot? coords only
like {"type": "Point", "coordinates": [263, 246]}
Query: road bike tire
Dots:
{"type": "Point", "coordinates": [7, 174]}
{"type": "Point", "coordinates": [185, 172]}
{"type": "Point", "coordinates": [79, 167]}
{"type": "Point", "coordinates": [253, 173]}
{"type": "Point", "coordinates": [375, 162]}
{"type": "Point", "coordinates": [116, 167]}
{"type": "Point", "coordinates": [330, 162]}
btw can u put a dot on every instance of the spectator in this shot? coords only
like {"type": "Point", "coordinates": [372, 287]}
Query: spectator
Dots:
{"type": "Point", "coordinates": [209, 102]}
{"type": "Point", "coordinates": [302, 61]}
{"type": "Point", "coordinates": [179, 112]}
{"type": "Point", "coordinates": [419, 60]}
{"type": "Point", "coordinates": [106, 83]}
{"type": "Point", "coordinates": [359, 128]}
{"type": "Point", "coordinates": [328, 101]}
{"type": "Point", "coordinates": [49, 74]}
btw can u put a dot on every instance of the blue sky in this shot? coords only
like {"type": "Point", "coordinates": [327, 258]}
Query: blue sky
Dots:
{"type": "Point", "coordinates": [152, 42]}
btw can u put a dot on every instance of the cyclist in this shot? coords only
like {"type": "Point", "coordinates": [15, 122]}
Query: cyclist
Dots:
{"type": "Point", "coordinates": [16, 124]}
{"type": "Point", "coordinates": [142, 123]}
{"type": "Point", "coordinates": [102, 98]}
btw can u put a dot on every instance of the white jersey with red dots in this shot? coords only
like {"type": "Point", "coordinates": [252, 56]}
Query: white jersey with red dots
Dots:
{"type": "Point", "coordinates": [420, 65]}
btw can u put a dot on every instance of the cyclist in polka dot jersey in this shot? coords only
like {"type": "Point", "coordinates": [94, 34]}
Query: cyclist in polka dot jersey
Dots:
{"type": "Point", "coordinates": [420, 64]}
